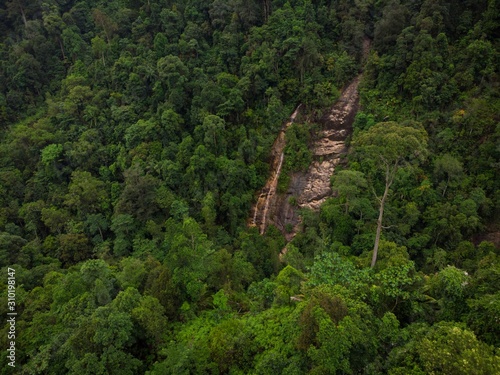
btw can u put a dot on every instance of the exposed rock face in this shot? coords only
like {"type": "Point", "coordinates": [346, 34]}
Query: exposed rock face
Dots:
{"type": "Point", "coordinates": [309, 189]}
{"type": "Point", "coordinates": [312, 188]}
{"type": "Point", "coordinates": [327, 148]}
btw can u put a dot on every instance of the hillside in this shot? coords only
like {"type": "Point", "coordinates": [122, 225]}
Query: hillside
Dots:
{"type": "Point", "coordinates": [139, 139]}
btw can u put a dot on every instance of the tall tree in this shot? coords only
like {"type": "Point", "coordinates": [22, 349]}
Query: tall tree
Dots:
{"type": "Point", "coordinates": [391, 146]}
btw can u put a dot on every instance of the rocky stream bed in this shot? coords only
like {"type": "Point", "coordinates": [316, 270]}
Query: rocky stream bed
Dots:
{"type": "Point", "coordinates": [311, 188]}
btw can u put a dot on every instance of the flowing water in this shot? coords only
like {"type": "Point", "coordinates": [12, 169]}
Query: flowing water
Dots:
{"type": "Point", "coordinates": [271, 193]}
{"type": "Point", "coordinates": [261, 208]}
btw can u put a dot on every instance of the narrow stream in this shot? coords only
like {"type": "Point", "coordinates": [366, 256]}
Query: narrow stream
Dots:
{"type": "Point", "coordinates": [261, 207]}
{"type": "Point", "coordinates": [270, 194]}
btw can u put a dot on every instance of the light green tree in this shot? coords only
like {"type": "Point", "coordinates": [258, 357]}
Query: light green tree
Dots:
{"type": "Point", "coordinates": [390, 146]}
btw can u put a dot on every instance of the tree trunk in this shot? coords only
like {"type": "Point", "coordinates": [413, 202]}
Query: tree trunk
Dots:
{"type": "Point", "coordinates": [379, 223]}
{"type": "Point", "coordinates": [267, 9]}
{"type": "Point", "coordinates": [23, 15]}
{"type": "Point", "coordinates": [446, 186]}
{"type": "Point", "coordinates": [62, 48]}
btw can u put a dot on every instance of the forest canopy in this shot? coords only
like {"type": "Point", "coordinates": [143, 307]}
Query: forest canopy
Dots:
{"type": "Point", "coordinates": [135, 137]}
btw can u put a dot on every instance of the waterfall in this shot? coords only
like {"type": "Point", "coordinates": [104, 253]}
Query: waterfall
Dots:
{"type": "Point", "coordinates": [269, 189]}
{"type": "Point", "coordinates": [272, 190]}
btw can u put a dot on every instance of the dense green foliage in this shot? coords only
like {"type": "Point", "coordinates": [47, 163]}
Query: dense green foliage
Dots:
{"type": "Point", "coordinates": [134, 136]}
